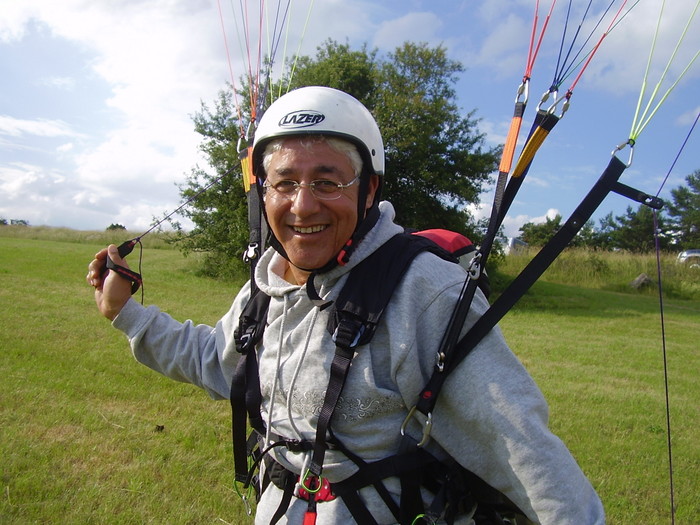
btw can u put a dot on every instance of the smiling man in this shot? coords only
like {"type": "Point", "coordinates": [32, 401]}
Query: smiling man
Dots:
{"type": "Point", "coordinates": [332, 413]}
{"type": "Point", "coordinates": [311, 195]}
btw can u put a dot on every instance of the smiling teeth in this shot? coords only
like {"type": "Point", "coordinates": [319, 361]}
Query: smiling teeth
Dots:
{"type": "Point", "coordinates": [312, 229]}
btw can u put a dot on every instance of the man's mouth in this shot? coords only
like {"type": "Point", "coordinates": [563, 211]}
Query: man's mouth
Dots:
{"type": "Point", "coordinates": [310, 229]}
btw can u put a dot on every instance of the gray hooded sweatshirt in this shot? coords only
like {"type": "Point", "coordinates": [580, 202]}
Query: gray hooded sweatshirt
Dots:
{"type": "Point", "coordinates": [491, 417]}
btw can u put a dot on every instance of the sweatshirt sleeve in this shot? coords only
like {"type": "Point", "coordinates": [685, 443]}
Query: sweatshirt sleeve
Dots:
{"type": "Point", "coordinates": [199, 354]}
{"type": "Point", "coordinates": [492, 418]}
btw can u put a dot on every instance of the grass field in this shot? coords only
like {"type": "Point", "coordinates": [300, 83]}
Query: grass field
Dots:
{"type": "Point", "coordinates": [87, 435]}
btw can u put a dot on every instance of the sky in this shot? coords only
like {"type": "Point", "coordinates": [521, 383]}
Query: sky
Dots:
{"type": "Point", "coordinates": [97, 96]}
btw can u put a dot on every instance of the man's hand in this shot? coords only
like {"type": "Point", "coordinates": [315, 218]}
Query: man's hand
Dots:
{"type": "Point", "coordinates": [111, 291]}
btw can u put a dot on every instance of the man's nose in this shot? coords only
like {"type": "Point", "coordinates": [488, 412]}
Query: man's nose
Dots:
{"type": "Point", "coordinates": [304, 201]}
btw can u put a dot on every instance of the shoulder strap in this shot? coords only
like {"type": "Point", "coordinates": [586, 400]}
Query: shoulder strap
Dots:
{"type": "Point", "coordinates": [371, 285]}
{"type": "Point", "coordinates": [357, 312]}
{"type": "Point", "coordinates": [245, 393]}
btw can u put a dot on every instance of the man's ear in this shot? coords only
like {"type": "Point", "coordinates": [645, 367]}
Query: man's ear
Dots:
{"type": "Point", "coordinates": [371, 190]}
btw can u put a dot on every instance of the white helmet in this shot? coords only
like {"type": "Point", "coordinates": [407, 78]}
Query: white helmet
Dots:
{"type": "Point", "coordinates": [317, 110]}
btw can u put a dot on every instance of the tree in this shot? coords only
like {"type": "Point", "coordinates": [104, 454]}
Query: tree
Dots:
{"type": "Point", "coordinates": [218, 207]}
{"type": "Point", "coordinates": [115, 226]}
{"type": "Point", "coordinates": [436, 161]}
{"type": "Point", "coordinates": [587, 237]}
{"type": "Point", "coordinates": [684, 212]}
{"type": "Point", "coordinates": [635, 230]}
{"type": "Point", "coordinates": [540, 234]}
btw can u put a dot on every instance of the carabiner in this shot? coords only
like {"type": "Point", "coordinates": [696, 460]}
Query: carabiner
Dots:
{"type": "Point", "coordinates": [630, 143]}
{"type": "Point", "coordinates": [523, 92]}
{"type": "Point", "coordinates": [309, 476]}
{"type": "Point", "coordinates": [545, 98]}
{"type": "Point", "coordinates": [427, 426]}
{"type": "Point", "coordinates": [239, 148]}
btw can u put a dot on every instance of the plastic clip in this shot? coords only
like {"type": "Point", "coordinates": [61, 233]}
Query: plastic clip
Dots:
{"type": "Point", "coordinates": [474, 269]}
{"type": "Point", "coordinates": [251, 253]}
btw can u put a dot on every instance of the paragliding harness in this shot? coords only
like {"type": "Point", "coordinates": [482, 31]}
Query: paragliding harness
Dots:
{"type": "Point", "coordinates": [355, 316]}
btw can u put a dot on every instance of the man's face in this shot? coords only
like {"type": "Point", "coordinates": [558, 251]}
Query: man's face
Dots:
{"type": "Point", "coordinates": [312, 231]}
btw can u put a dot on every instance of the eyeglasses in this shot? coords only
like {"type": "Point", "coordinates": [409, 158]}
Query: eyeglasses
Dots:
{"type": "Point", "coordinates": [325, 190]}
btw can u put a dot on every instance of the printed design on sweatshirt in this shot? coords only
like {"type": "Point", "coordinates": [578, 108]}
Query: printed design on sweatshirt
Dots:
{"type": "Point", "coordinates": [309, 403]}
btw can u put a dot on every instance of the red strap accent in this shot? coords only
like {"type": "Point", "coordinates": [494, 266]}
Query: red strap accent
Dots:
{"type": "Point", "coordinates": [342, 258]}
{"type": "Point", "coordinates": [309, 518]}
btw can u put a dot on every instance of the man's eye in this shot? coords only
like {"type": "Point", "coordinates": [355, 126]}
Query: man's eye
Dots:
{"type": "Point", "coordinates": [285, 186]}
{"type": "Point", "coordinates": [325, 186]}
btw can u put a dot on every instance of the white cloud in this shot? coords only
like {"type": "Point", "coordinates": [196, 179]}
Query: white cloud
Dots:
{"type": "Point", "coordinates": [687, 118]}
{"type": "Point", "coordinates": [67, 83]}
{"type": "Point", "coordinates": [502, 49]}
{"type": "Point", "coordinates": [416, 27]}
{"type": "Point", "coordinates": [615, 69]}
{"type": "Point", "coordinates": [16, 127]}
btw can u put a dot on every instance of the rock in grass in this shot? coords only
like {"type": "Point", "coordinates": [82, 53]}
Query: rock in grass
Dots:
{"type": "Point", "coordinates": [642, 281]}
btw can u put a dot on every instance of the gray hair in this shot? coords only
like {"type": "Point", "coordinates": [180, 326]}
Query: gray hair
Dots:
{"type": "Point", "coordinates": [339, 145]}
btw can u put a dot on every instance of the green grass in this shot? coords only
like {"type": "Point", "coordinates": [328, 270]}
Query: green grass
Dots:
{"type": "Point", "coordinates": [80, 420]}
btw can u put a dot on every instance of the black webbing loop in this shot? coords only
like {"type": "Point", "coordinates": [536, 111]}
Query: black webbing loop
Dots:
{"type": "Point", "coordinates": [126, 273]}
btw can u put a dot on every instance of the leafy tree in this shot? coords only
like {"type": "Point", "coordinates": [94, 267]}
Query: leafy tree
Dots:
{"type": "Point", "coordinates": [685, 212]}
{"type": "Point", "coordinates": [635, 230]}
{"type": "Point", "coordinates": [336, 65]}
{"type": "Point", "coordinates": [436, 162]}
{"type": "Point", "coordinates": [3, 221]}
{"type": "Point", "coordinates": [587, 237]}
{"type": "Point", "coordinates": [605, 232]}
{"type": "Point", "coordinates": [219, 215]}
{"type": "Point", "coordinates": [540, 234]}
{"type": "Point", "coordinates": [115, 226]}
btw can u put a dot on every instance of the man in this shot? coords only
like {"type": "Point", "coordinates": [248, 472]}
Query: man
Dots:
{"type": "Point", "coordinates": [319, 157]}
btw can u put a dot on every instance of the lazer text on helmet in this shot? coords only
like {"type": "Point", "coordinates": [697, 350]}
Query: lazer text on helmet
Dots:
{"type": "Point", "coordinates": [301, 119]}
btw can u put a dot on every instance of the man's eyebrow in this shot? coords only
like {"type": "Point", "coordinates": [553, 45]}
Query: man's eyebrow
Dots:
{"type": "Point", "coordinates": [323, 169]}
{"type": "Point", "coordinates": [326, 169]}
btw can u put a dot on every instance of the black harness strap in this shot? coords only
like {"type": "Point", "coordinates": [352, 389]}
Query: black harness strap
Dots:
{"type": "Point", "coordinates": [352, 322]}
{"type": "Point", "coordinates": [357, 316]}
{"type": "Point", "coordinates": [245, 393]}
{"type": "Point", "coordinates": [537, 266]}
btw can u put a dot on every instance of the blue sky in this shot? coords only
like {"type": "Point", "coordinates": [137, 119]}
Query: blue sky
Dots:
{"type": "Point", "coordinates": [97, 96]}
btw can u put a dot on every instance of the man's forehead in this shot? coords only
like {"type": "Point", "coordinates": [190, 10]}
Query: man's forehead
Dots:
{"type": "Point", "coordinates": [310, 154]}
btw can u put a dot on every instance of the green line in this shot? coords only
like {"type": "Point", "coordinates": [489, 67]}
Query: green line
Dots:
{"type": "Point", "coordinates": [640, 122]}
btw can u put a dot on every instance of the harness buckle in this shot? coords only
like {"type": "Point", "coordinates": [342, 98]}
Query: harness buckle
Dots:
{"type": "Point", "coordinates": [440, 361]}
{"type": "Point", "coordinates": [427, 426]}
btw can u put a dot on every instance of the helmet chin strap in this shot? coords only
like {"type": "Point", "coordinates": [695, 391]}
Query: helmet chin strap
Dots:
{"type": "Point", "coordinates": [343, 256]}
